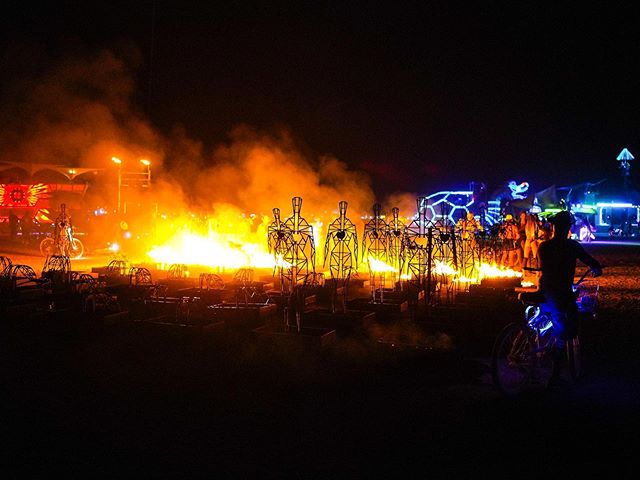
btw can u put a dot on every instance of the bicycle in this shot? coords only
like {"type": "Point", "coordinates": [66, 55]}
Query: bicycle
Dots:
{"type": "Point", "coordinates": [522, 353]}
{"type": "Point", "coordinates": [65, 244]}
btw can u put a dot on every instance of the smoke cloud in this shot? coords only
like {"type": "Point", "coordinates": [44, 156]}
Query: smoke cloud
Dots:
{"type": "Point", "coordinates": [78, 114]}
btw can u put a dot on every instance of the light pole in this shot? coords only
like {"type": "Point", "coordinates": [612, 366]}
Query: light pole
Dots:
{"type": "Point", "coordinates": [147, 164]}
{"type": "Point", "coordinates": [118, 162]}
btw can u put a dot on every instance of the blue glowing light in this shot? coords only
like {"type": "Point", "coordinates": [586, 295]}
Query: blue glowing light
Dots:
{"type": "Point", "coordinates": [625, 156]}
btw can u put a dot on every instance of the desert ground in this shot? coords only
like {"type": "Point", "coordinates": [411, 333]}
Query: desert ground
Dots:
{"type": "Point", "coordinates": [128, 399]}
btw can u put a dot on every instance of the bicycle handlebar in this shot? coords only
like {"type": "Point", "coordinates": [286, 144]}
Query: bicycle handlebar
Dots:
{"type": "Point", "coordinates": [584, 275]}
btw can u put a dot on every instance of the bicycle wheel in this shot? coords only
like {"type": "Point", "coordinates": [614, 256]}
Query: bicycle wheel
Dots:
{"type": "Point", "coordinates": [574, 360]}
{"type": "Point", "coordinates": [77, 249]}
{"type": "Point", "coordinates": [47, 247]}
{"type": "Point", "coordinates": [511, 362]}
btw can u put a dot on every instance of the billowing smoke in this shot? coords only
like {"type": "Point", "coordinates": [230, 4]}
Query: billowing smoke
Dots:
{"type": "Point", "coordinates": [81, 113]}
{"type": "Point", "coordinates": [257, 172]}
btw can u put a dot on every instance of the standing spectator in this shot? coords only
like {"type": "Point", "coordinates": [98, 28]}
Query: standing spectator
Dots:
{"type": "Point", "coordinates": [13, 225]}
{"type": "Point", "coordinates": [509, 235]}
{"type": "Point", "coordinates": [27, 228]}
{"type": "Point", "coordinates": [522, 238]}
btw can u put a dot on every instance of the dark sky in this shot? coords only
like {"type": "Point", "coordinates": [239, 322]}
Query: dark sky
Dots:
{"type": "Point", "coordinates": [423, 95]}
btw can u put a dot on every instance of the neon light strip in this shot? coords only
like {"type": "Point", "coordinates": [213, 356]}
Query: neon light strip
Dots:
{"type": "Point", "coordinates": [615, 205]}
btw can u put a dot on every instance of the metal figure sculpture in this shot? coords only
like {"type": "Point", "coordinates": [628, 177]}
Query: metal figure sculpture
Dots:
{"type": "Point", "coordinates": [299, 257]}
{"type": "Point", "coordinates": [341, 248]}
{"type": "Point", "coordinates": [375, 249]}
{"type": "Point", "coordinates": [395, 233]}
{"type": "Point", "coordinates": [417, 248]}
{"type": "Point", "coordinates": [278, 241]}
{"type": "Point", "coordinates": [300, 249]}
{"type": "Point", "coordinates": [431, 257]}
{"type": "Point", "coordinates": [63, 242]}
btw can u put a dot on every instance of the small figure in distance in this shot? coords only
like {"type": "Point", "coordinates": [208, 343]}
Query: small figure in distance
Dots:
{"type": "Point", "coordinates": [510, 236]}
{"type": "Point", "coordinates": [14, 223]}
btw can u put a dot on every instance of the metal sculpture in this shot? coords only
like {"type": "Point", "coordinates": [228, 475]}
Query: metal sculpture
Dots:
{"type": "Point", "coordinates": [341, 248]}
{"type": "Point", "coordinates": [278, 241]}
{"type": "Point", "coordinates": [299, 259]}
{"type": "Point", "coordinates": [5, 263]}
{"type": "Point", "coordinates": [116, 268]}
{"type": "Point", "coordinates": [417, 248]}
{"type": "Point", "coordinates": [140, 276]}
{"type": "Point", "coordinates": [63, 242]}
{"type": "Point", "coordinates": [211, 281]}
{"type": "Point", "coordinates": [395, 233]}
{"type": "Point", "coordinates": [299, 247]}
{"type": "Point", "coordinates": [178, 271]}
{"type": "Point", "coordinates": [57, 271]}
{"type": "Point", "coordinates": [375, 249]}
{"type": "Point", "coordinates": [17, 276]}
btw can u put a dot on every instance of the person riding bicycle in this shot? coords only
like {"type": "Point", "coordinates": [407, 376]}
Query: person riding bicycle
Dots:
{"type": "Point", "coordinates": [558, 266]}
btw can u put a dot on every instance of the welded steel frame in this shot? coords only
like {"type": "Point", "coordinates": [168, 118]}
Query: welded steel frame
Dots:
{"type": "Point", "coordinates": [278, 241]}
{"type": "Point", "coordinates": [375, 247]}
{"type": "Point", "coordinates": [341, 248]}
{"type": "Point", "coordinates": [396, 233]}
{"type": "Point", "coordinates": [299, 258]}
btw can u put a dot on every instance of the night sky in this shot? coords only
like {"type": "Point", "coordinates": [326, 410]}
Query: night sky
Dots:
{"type": "Point", "coordinates": [423, 96]}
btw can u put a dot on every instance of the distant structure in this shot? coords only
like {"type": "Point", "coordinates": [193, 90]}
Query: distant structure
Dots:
{"type": "Point", "coordinates": [624, 158]}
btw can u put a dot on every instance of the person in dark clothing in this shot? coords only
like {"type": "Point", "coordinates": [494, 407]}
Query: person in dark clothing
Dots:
{"type": "Point", "coordinates": [13, 225]}
{"type": "Point", "coordinates": [27, 228]}
{"type": "Point", "coordinates": [558, 265]}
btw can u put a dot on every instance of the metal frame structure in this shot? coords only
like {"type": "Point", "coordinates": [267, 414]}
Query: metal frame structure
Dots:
{"type": "Point", "coordinates": [375, 249]}
{"type": "Point", "coordinates": [341, 248]}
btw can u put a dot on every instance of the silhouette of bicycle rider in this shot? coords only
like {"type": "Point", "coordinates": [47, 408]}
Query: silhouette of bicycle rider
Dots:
{"type": "Point", "coordinates": [558, 265]}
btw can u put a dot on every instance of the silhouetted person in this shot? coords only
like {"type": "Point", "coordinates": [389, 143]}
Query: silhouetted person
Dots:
{"type": "Point", "coordinates": [558, 264]}
{"type": "Point", "coordinates": [510, 235]}
{"type": "Point", "coordinates": [13, 225]}
{"type": "Point", "coordinates": [27, 228]}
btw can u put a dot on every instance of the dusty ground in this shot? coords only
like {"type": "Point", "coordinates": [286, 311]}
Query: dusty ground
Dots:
{"type": "Point", "coordinates": [124, 401]}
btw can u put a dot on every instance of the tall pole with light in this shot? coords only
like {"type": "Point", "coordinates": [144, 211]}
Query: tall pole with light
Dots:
{"type": "Point", "coordinates": [624, 158]}
{"type": "Point", "coordinates": [147, 164]}
{"type": "Point", "coordinates": [118, 162]}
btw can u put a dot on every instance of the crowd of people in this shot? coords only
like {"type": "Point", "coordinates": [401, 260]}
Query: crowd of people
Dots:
{"type": "Point", "coordinates": [515, 243]}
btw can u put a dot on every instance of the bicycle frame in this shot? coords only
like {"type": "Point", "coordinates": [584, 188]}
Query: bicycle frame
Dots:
{"type": "Point", "coordinates": [522, 351]}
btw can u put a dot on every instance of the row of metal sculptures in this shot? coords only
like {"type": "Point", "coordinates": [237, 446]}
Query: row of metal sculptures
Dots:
{"type": "Point", "coordinates": [410, 254]}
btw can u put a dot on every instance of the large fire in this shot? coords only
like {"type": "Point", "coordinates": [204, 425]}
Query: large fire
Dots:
{"type": "Point", "coordinates": [230, 241]}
